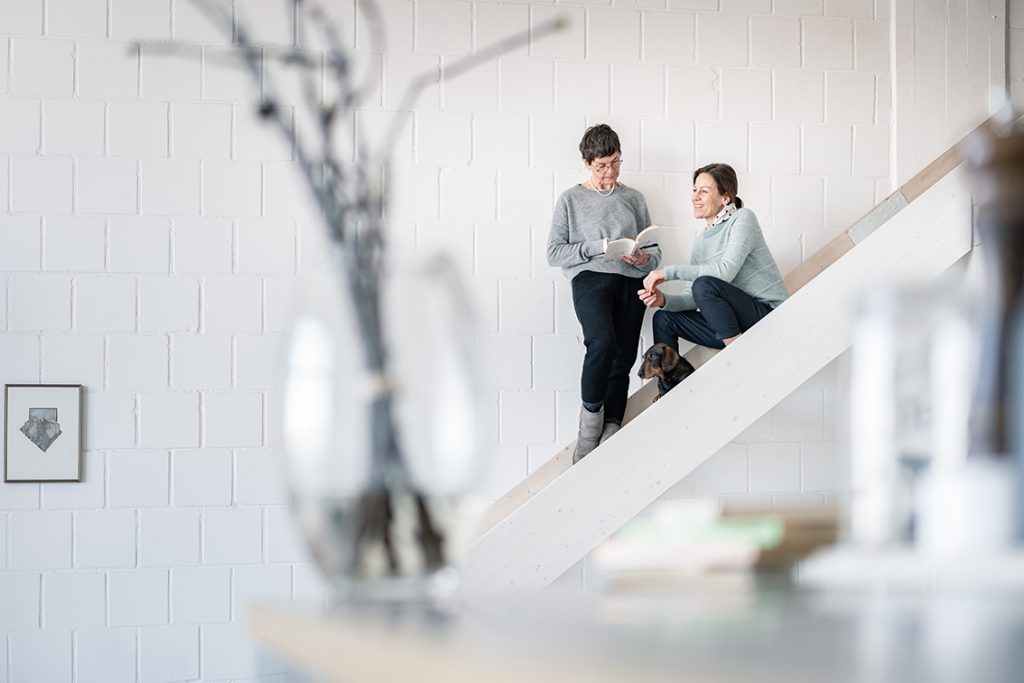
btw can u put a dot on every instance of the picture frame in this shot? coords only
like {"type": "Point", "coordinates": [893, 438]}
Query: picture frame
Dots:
{"type": "Point", "coordinates": [42, 432]}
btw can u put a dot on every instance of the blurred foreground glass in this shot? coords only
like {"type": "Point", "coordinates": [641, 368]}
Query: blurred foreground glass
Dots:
{"type": "Point", "coordinates": [933, 390]}
{"type": "Point", "coordinates": [912, 373]}
{"type": "Point", "coordinates": [381, 469]}
{"type": "Point", "coordinates": [995, 157]}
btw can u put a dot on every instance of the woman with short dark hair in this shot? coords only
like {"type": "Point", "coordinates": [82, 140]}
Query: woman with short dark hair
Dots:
{"type": "Point", "coordinates": [734, 278]}
{"type": "Point", "coordinates": [586, 217]}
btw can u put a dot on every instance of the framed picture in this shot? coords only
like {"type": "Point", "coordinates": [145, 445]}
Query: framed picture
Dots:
{"type": "Point", "coordinates": [42, 432]}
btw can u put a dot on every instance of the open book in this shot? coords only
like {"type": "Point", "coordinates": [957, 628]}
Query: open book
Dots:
{"type": "Point", "coordinates": [625, 246]}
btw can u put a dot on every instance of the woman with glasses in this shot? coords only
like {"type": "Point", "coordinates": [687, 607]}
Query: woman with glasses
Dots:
{"type": "Point", "coordinates": [587, 216]}
{"type": "Point", "coordinates": [734, 280]}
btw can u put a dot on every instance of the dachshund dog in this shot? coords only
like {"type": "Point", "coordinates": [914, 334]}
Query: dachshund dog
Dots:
{"type": "Point", "coordinates": [662, 361]}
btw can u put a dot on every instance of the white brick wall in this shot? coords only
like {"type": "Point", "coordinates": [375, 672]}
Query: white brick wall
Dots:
{"type": "Point", "coordinates": [41, 185]}
{"type": "Point", "coordinates": [232, 536]}
{"type": "Point", "coordinates": [42, 67]}
{"type": "Point", "coordinates": [201, 477]}
{"type": "Point", "coordinates": [39, 540]}
{"type": "Point", "coordinates": [1015, 43]}
{"type": "Point", "coordinates": [138, 245]}
{"type": "Point", "coordinates": [170, 537]}
{"type": "Point", "coordinates": [106, 655]}
{"type": "Point", "coordinates": [722, 40]}
{"type": "Point", "coordinates": [137, 597]}
{"type": "Point", "coordinates": [1016, 54]}
{"type": "Point", "coordinates": [19, 238]}
{"type": "Point", "coordinates": [775, 42]}
{"type": "Point", "coordinates": [229, 652]}
{"type": "Point", "coordinates": [138, 478]}
{"type": "Point", "coordinates": [74, 243]}
{"type": "Point", "coordinates": [110, 421]}
{"type": "Point", "coordinates": [828, 43]}
{"type": "Point", "coordinates": [22, 117]}
{"type": "Point", "coordinates": [104, 304]}
{"type": "Point", "coordinates": [20, 593]}
{"type": "Point", "coordinates": [4, 174]}
{"type": "Point", "coordinates": [105, 539]}
{"type": "Point", "coordinates": [201, 361]}
{"type": "Point", "coordinates": [74, 600]}
{"type": "Point", "coordinates": [74, 127]}
{"type": "Point", "coordinates": [200, 595]}
{"type": "Point", "coordinates": [168, 653]}
{"type": "Point", "coordinates": [41, 656]}
{"type": "Point", "coordinates": [151, 232]}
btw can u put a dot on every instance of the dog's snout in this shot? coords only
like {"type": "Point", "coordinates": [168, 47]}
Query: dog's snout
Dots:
{"type": "Point", "coordinates": [648, 368]}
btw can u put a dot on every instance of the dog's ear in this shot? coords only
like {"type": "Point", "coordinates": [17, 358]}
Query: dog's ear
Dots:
{"type": "Point", "coordinates": [669, 358]}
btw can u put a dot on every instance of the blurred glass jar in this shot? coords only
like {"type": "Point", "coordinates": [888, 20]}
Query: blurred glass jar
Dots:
{"type": "Point", "coordinates": [381, 467]}
{"type": "Point", "coordinates": [912, 373]}
{"type": "Point", "coordinates": [995, 158]}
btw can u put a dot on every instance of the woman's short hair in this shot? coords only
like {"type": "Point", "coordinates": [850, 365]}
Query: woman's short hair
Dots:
{"type": "Point", "coordinates": [599, 141]}
{"type": "Point", "coordinates": [725, 180]}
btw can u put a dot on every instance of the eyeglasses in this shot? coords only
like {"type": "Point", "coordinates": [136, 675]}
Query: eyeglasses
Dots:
{"type": "Point", "coordinates": [601, 168]}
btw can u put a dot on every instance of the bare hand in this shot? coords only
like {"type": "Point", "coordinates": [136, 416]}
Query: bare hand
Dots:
{"type": "Point", "coordinates": [651, 299]}
{"type": "Point", "coordinates": [638, 259]}
{"type": "Point", "coordinates": [653, 279]}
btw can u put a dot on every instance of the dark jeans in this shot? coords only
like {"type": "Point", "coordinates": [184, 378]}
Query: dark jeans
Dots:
{"type": "Point", "coordinates": [611, 315]}
{"type": "Point", "coordinates": [724, 311]}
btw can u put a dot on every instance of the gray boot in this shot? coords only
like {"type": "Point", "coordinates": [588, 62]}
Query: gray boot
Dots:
{"type": "Point", "coordinates": [591, 425]}
{"type": "Point", "coordinates": [609, 429]}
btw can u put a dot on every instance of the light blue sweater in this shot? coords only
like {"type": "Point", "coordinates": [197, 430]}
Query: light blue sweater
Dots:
{"type": "Point", "coordinates": [735, 251]}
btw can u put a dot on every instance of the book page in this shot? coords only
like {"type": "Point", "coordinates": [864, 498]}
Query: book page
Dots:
{"type": "Point", "coordinates": [619, 248]}
{"type": "Point", "coordinates": [625, 246]}
{"type": "Point", "coordinates": [648, 236]}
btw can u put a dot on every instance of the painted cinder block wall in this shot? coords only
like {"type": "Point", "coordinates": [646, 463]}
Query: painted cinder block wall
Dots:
{"type": "Point", "coordinates": [151, 232]}
{"type": "Point", "coordinates": [1015, 52]}
{"type": "Point", "coordinates": [795, 97]}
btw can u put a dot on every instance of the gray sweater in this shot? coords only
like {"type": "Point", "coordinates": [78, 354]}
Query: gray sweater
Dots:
{"type": "Point", "coordinates": [584, 219]}
{"type": "Point", "coordinates": [735, 251]}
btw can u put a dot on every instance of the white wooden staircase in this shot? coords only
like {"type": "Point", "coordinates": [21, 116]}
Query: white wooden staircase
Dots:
{"type": "Point", "coordinates": [560, 513]}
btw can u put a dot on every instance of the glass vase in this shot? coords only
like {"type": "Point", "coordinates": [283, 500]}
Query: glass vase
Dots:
{"type": "Point", "coordinates": [381, 428]}
{"type": "Point", "coordinates": [910, 378]}
{"type": "Point", "coordinates": [996, 162]}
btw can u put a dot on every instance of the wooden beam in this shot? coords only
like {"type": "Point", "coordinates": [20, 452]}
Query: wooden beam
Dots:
{"type": "Point", "coordinates": [932, 173]}
{"type": "Point", "coordinates": [877, 217]}
{"type": "Point", "coordinates": [822, 259]}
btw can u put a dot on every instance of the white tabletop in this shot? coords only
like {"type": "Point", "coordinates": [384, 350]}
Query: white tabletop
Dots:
{"type": "Point", "coordinates": [732, 629]}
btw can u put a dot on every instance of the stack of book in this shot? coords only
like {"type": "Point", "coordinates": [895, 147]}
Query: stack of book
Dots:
{"type": "Point", "coordinates": [798, 531]}
{"type": "Point", "coordinates": [686, 539]}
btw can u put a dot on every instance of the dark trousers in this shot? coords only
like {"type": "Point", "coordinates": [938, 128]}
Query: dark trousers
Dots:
{"type": "Point", "coordinates": [611, 315]}
{"type": "Point", "coordinates": [724, 311]}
